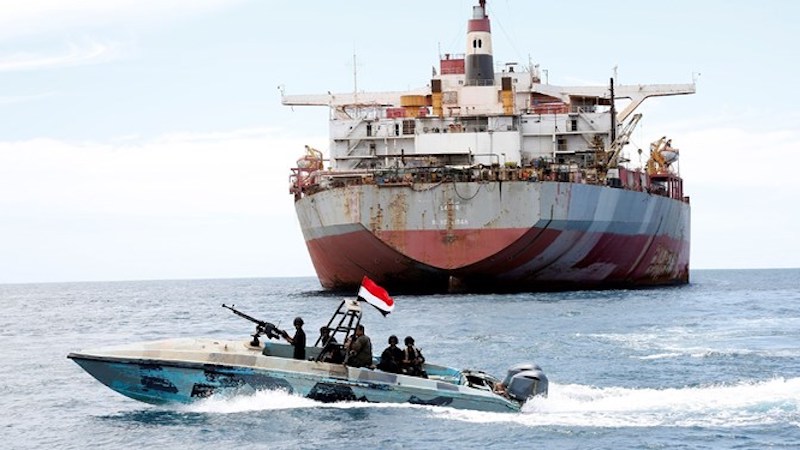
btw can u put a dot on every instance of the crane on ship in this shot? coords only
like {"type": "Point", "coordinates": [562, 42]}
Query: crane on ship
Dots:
{"type": "Point", "coordinates": [662, 155]}
{"type": "Point", "coordinates": [623, 139]}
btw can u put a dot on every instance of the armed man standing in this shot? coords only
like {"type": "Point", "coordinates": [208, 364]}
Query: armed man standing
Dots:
{"type": "Point", "coordinates": [299, 339]}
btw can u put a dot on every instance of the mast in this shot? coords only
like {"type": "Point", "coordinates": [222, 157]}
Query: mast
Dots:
{"type": "Point", "coordinates": [613, 114]}
{"type": "Point", "coordinates": [355, 78]}
{"type": "Point", "coordinates": [479, 60]}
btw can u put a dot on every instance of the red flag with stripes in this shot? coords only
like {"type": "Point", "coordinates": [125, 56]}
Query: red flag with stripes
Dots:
{"type": "Point", "coordinates": [375, 296]}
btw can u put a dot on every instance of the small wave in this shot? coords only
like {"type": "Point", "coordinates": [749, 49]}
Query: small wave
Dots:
{"type": "Point", "coordinates": [706, 353]}
{"type": "Point", "coordinates": [660, 356]}
{"type": "Point", "coordinates": [707, 345]}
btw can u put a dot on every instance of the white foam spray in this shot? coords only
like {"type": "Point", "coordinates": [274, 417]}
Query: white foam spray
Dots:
{"type": "Point", "coordinates": [775, 401]}
{"type": "Point", "coordinates": [280, 400]}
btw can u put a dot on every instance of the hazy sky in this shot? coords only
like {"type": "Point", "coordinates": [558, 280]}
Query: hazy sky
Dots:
{"type": "Point", "coordinates": [144, 139]}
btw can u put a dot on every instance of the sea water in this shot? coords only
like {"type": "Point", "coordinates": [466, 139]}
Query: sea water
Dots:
{"type": "Point", "coordinates": [713, 364]}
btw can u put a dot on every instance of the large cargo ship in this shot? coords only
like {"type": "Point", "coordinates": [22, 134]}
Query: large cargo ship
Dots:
{"type": "Point", "coordinates": [488, 180]}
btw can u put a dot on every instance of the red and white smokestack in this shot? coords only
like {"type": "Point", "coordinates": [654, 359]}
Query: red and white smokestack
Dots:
{"type": "Point", "coordinates": [479, 60]}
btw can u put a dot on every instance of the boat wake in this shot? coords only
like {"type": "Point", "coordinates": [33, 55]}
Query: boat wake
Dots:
{"type": "Point", "coordinates": [279, 400]}
{"type": "Point", "coordinates": [772, 402]}
{"type": "Point", "coordinates": [776, 401]}
{"type": "Point", "coordinates": [259, 401]}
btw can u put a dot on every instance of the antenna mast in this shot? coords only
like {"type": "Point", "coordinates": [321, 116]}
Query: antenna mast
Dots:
{"type": "Point", "coordinates": [355, 79]}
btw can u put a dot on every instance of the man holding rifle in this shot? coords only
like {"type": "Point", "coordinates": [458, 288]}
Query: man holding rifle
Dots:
{"type": "Point", "coordinates": [299, 339]}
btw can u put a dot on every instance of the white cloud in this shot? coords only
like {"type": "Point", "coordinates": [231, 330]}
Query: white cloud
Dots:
{"type": "Point", "coordinates": [733, 157]}
{"type": "Point", "coordinates": [14, 99]}
{"type": "Point", "coordinates": [32, 17]}
{"type": "Point", "coordinates": [239, 171]}
{"type": "Point", "coordinates": [744, 197]}
{"type": "Point", "coordinates": [74, 55]}
{"type": "Point", "coordinates": [178, 206]}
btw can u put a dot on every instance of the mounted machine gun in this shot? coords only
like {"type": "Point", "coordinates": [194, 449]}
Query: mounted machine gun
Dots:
{"type": "Point", "coordinates": [262, 328]}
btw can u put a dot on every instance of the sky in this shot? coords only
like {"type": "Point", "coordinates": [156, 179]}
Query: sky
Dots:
{"type": "Point", "coordinates": [144, 139]}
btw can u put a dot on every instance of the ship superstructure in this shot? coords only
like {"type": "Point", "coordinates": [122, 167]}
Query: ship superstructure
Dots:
{"type": "Point", "coordinates": [485, 181]}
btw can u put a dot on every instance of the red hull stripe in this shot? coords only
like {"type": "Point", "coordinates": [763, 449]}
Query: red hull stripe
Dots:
{"type": "Point", "coordinates": [450, 249]}
{"type": "Point", "coordinates": [538, 258]}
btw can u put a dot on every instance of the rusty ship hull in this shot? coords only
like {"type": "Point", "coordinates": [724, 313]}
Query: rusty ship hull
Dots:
{"type": "Point", "coordinates": [495, 236]}
{"type": "Point", "coordinates": [485, 180]}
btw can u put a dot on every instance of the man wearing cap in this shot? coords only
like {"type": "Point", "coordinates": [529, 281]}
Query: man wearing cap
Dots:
{"type": "Point", "coordinates": [299, 339]}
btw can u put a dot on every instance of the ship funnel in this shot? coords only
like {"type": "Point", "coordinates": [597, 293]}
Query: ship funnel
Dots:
{"type": "Point", "coordinates": [479, 60]}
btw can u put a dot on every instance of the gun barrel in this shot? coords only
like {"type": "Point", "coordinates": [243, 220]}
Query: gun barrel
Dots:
{"type": "Point", "coordinates": [263, 327]}
{"type": "Point", "coordinates": [243, 315]}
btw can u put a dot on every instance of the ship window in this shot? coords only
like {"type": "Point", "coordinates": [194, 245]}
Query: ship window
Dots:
{"type": "Point", "coordinates": [474, 43]}
{"type": "Point", "coordinates": [409, 126]}
{"type": "Point", "coordinates": [480, 43]}
{"type": "Point", "coordinates": [369, 129]}
{"type": "Point", "coordinates": [397, 129]}
{"type": "Point", "coordinates": [562, 144]}
{"type": "Point", "coordinates": [573, 124]}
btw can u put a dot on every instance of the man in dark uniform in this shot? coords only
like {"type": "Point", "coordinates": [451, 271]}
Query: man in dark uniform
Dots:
{"type": "Point", "coordinates": [391, 357]}
{"type": "Point", "coordinates": [413, 360]}
{"type": "Point", "coordinates": [299, 339]}
{"type": "Point", "coordinates": [360, 349]}
{"type": "Point", "coordinates": [325, 336]}
{"type": "Point", "coordinates": [331, 350]}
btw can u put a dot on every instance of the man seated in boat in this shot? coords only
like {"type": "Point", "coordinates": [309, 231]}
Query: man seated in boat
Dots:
{"type": "Point", "coordinates": [413, 360]}
{"type": "Point", "coordinates": [299, 339]}
{"type": "Point", "coordinates": [331, 350]}
{"type": "Point", "coordinates": [391, 356]}
{"type": "Point", "coordinates": [359, 351]}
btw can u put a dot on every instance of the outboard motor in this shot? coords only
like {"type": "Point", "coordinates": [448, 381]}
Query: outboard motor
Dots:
{"type": "Point", "coordinates": [515, 369]}
{"type": "Point", "coordinates": [524, 381]}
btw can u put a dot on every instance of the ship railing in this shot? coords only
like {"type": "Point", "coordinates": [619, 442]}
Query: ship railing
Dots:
{"type": "Point", "coordinates": [549, 108]}
{"type": "Point", "coordinates": [584, 109]}
{"type": "Point", "coordinates": [542, 170]}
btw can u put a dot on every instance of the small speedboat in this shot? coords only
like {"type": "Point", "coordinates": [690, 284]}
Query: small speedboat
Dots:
{"type": "Point", "coordinates": [187, 370]}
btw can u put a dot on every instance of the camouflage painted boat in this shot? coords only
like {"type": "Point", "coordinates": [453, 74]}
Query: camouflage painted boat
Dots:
{"type": "Point", "coordinates": [186, 370]}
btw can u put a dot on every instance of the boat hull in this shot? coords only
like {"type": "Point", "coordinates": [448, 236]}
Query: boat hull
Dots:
{"type": "Point", "coordinates": [184, 371]}
{"type": "Point", "coordinates": [495, 236]}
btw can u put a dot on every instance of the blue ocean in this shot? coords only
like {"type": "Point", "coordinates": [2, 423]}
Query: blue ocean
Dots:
{"type": "Point", "coordinates": [713, 364]}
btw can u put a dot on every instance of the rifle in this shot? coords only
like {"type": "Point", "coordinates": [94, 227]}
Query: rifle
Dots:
{"type": "Point", "coordinates": [262, 328]}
